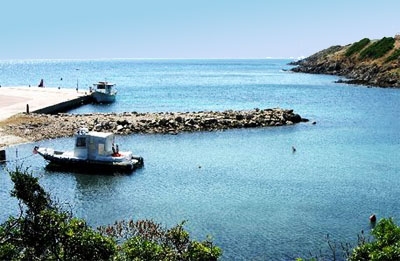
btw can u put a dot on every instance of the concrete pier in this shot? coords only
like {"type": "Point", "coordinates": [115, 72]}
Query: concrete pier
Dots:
{"type": "Point", "coordinates": [14, 100]}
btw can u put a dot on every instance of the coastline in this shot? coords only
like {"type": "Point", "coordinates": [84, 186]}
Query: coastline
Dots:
{"type": "Point", "coordinates": [7, 140]}
{"type": "Point", "coordinates": [15, 100]}
{"type": "Point", "coordinates": [362, 62]}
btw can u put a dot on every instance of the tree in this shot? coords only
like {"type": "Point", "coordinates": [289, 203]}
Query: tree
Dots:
{"type": "Point", "coordinates": [44, 231]}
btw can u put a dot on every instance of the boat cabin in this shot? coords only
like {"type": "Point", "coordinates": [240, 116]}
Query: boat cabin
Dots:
{"type": "Point", "coordinates": [90, 145]}
{"type": "Point", "coordinates": [103, 86]}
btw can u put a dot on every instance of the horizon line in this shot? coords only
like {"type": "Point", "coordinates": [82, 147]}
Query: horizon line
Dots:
{"type": "Point", "coordinates": [120, 58]}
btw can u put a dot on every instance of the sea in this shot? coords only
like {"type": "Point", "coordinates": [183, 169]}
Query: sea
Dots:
{"type": "Point", "coordinates": [244, 188]}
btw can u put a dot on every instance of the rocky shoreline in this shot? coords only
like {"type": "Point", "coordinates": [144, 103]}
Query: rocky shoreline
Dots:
{"type": "Point", "coordinates": [380, 70]}
{"type": "Point", "coordinates": [36, 127]}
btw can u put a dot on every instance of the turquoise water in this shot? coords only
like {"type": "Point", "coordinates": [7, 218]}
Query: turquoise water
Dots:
{"type": "Point", "coordinates": [246, 188]}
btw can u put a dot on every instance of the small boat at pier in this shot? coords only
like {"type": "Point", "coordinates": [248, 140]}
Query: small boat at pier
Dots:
{"type": "Point", "coordinates": [103, 92]}
{"type": "Point", "coordinates": [93, 151]}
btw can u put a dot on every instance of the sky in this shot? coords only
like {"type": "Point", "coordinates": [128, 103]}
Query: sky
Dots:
{"type": "Point", "coordinates": [186, 29]}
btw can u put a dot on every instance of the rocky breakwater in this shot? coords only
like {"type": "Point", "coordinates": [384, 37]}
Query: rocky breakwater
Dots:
{"type": "Point", "coordinates": [36, 127]}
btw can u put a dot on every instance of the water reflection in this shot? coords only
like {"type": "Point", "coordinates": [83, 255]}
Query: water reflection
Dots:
{"type": "Point", "coordinates": [250, 184]}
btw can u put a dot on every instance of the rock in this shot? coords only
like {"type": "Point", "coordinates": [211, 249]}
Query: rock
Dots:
{"type": "Point", "coordinates": [239, 117]}
{"type": "Point", "coordinates": [163, 122]}
{"type": "Point", "coordinates": [179, 119]}
{"type": "Point", "coordinates": [295, 118]}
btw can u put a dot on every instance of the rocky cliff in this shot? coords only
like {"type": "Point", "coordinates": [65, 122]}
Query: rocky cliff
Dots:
{"type": "Point", "coordinates": [366, 62]}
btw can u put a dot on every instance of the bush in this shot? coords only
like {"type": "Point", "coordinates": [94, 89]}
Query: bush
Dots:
{"type": "Point", "coordinates": [385, 247]}
{"type": "Point", "coordinates": [44, 231]}
{"type": "Point", "coordinates": [357, 47]}
{"type": "Point", "coordinates": [395, 55]}
{"type": "Point", "coordinates": [378, 49]}
{"type": "Point", "coordinates": [147, 240]}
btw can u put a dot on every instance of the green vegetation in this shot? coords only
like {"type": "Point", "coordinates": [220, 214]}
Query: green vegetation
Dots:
{"type": "Point", "coordinates": [385, 247]}
{"type": "Point", "coordinates": [378, 49]}
{"type": "Point", "coordinates": [44, 231]}
{"type": "Point", "coordinates": [395, 55]}
{"type": "Point", "coordinates": [357, 47]}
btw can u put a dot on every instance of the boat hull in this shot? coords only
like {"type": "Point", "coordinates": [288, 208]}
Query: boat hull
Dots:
{"type": "Point", "coordinates": [56, 162]}
{"type": "Point", "coordinates": [100, 97]}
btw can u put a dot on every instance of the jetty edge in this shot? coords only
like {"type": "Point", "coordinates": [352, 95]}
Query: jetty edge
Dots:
{"type": "Point", "coordinates": [36, 127]}
{"type": "Point", "coordinates": [18, 99]}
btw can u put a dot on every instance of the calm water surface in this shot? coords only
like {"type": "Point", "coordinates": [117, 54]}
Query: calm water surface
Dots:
{"type": "Point", "coordinates": [245, 187]}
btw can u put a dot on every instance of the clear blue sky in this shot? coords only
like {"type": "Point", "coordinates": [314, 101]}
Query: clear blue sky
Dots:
{"type": "Point", "coordinates": [86, 29]}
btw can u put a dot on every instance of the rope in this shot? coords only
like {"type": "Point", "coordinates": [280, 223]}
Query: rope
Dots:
{"type": "Point", "coordinates": [5, 161]}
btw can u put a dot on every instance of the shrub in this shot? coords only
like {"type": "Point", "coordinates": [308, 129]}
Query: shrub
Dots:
{"type": "Point", "coordinates": [395, 55]}
{"type": "Point", "coordinates": [386, 245]}
{"type": "Point", "coordinates": [147, 240]}
{"type": "Point", "coordinates": [378, 49]}
{"type": "Point", "coordinates": [44, 231]}
{"type": "Point", "coordinates": [357, 47]}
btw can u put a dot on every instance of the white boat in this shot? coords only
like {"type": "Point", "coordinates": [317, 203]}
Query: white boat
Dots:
{"type": "Point", "coordinates": [103, 92]}
{"type": "Point", "coordinates": [93, 151]}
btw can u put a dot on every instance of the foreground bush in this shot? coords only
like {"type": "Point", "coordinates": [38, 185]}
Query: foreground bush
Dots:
{"type": "Point", "coordinates": [44, 231]}
{"type": "Point", "coordinates": [385, 247]}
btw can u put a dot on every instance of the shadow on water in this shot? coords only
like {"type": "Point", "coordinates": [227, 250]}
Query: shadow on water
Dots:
{"type": "Point", "coordinates": [87, 171]}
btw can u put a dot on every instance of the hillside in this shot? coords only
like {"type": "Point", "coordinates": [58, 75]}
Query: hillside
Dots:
{"type": "Point", "coordinates": [367, 62]}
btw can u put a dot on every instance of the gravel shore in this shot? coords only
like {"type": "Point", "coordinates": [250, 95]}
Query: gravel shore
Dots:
{"type": "Point", "coordinates": [34, 127]}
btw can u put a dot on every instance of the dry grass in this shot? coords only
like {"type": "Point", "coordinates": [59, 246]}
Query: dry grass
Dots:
{"type": "Point", "coordinates": [21, 119]}
{"type": "Point", "coordinates": [12, 130]}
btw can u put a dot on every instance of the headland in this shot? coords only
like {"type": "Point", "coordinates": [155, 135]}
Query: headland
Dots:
{"type": "Point", "coordinates": [366, 62]}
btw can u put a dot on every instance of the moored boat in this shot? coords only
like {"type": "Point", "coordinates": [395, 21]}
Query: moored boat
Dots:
{"type": "Point", "coordinates": [103, 92]}
{"type": "Point", "coordinates": [93, 151]}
